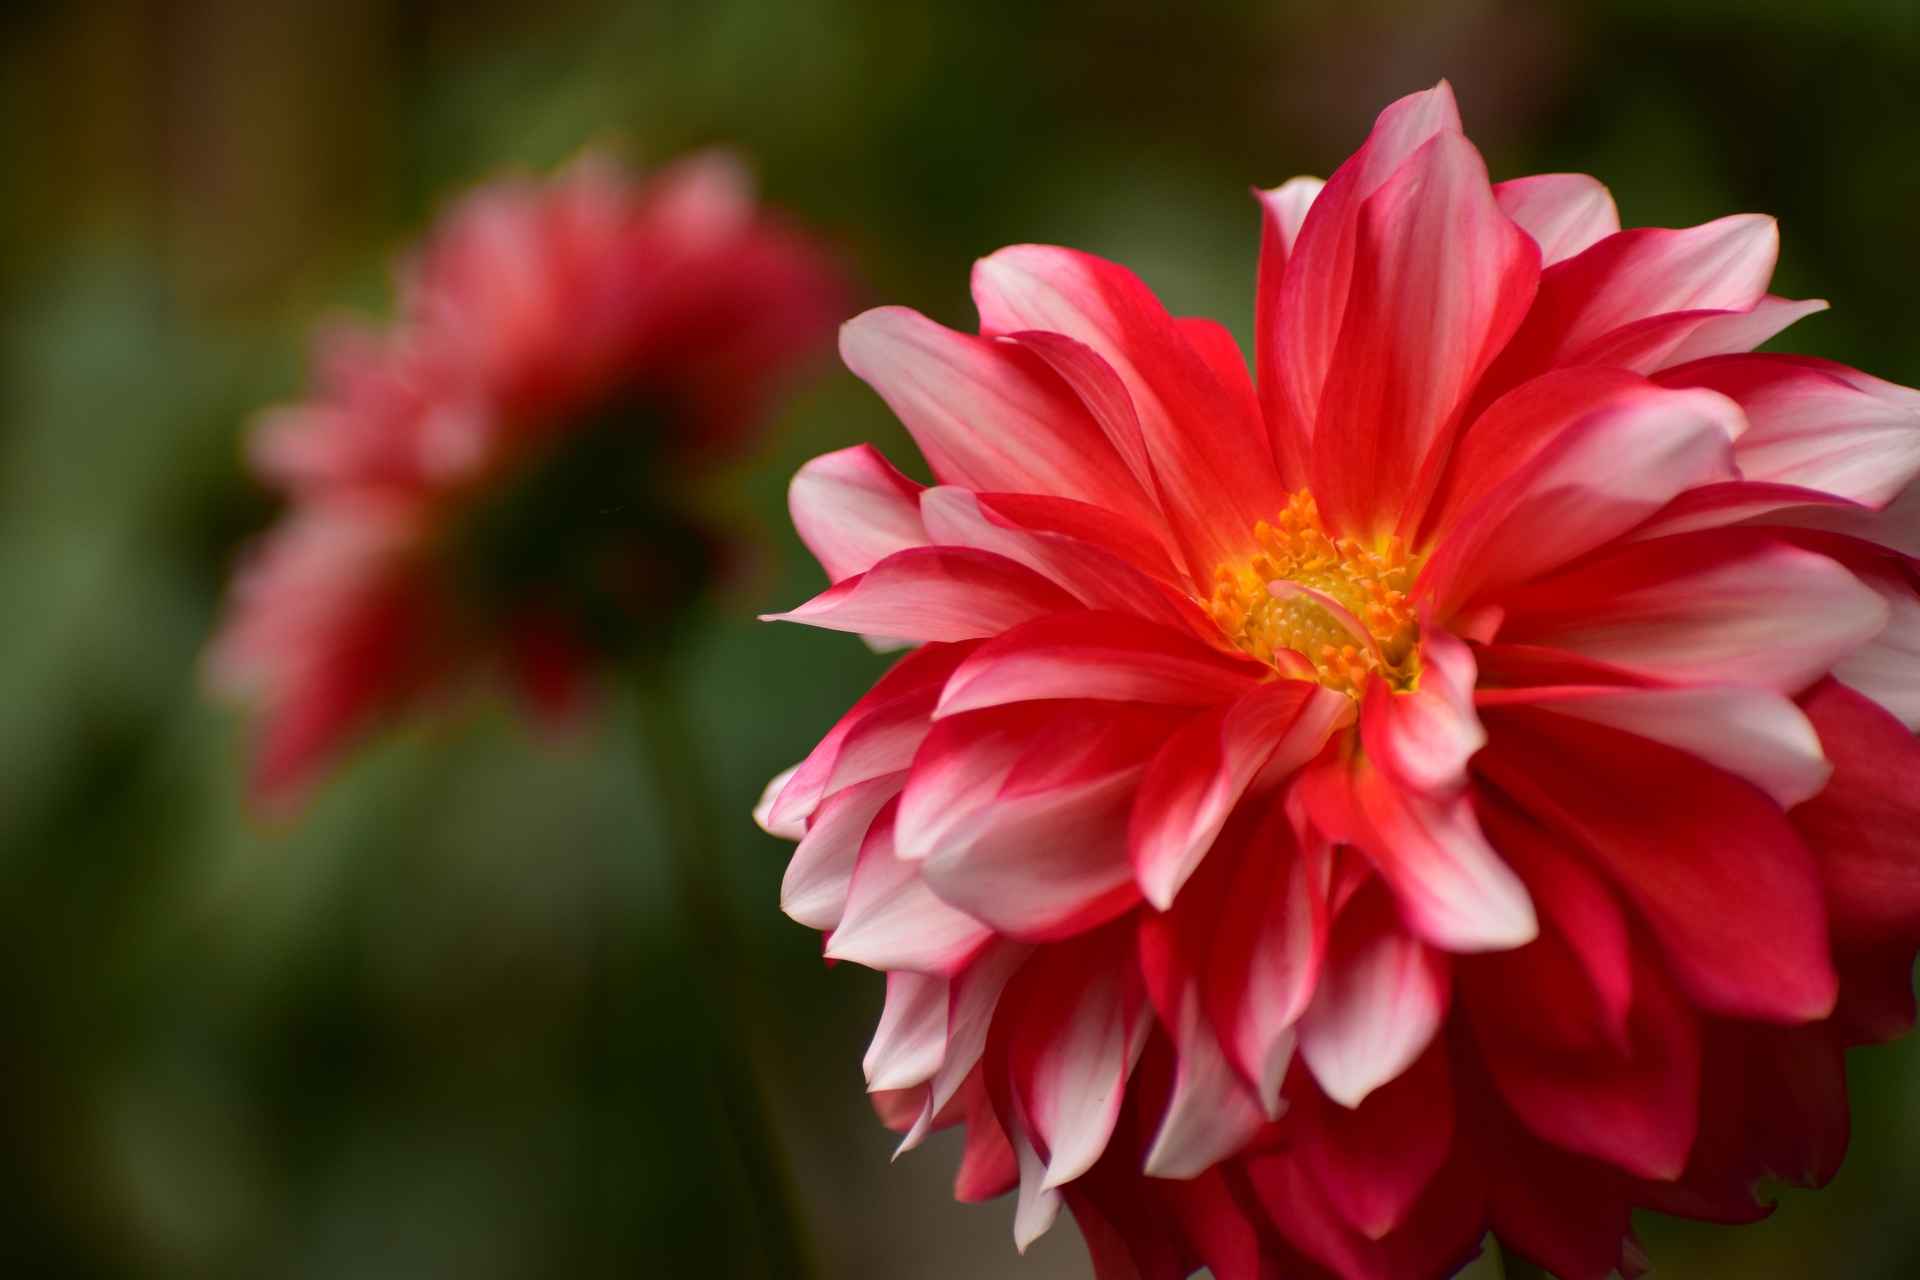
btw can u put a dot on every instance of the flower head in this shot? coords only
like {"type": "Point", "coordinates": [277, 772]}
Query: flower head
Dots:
{"type": "Point", "coordinates": [501, 482]}
{"type": "Point", "coordinates": [1460, 777]}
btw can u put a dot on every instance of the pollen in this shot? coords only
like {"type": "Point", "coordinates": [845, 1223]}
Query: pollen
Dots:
{"type": "Point", "coordinates": [1321, 607]}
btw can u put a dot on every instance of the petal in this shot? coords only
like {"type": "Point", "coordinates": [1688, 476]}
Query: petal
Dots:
{"type": "Point", "coordinates": [1423, 739]}
{"type": "Point", "coordinates": [1732, 332]}
{"type": "Point", "coordinates": [1104, 394]}
{"type": "Point", "coordinates": [1649, 271]}
{"type": "Point", "coordinates": [814, 889]}
{"type": "Point", "coordinates": [1097, 655]}
{"type": "Point", "coordinates": [1095, 526]}
{"type": "Point", "coordinates": [1373, 1161]}
{"type": "Point", "coordinates": [1887, 667]}
{"type": "Point", "coordinates": [974, 995]}
{"type": "Point", "coordinates": [988, 415]}
{"type": "Point", "coordinates": [1812, 429]}
{"type": "Point", "coordinates": [1565, 213]}
{"type": "Point", "coordinates": [1864, 829]}
{"type": "Point", "coordinates": [1752, 733]}
{"type": "Point", "coordinates": [1720, 606]}
{"type": "Point", "coordinates": [1634, 1110]}
{"type": "Point", "coordinates": [1213, 465]}
{"type": "Point", "coordinates": [1097, 578]}
{"type": "Point", "coordinates": [1020, 812]}
{"type": "Point", "coordinates": [933, 593]}
{"type": "Point", "coordinates": [1599, 478]}
{"type": "Point", "coordinates": [1283, 211]}
{"type": "Point", "coordinates": [912, 1037]}
{"type": "Point", "coordinates": [1441, 278]}
{"type": "Point", "coordinates": [1198, 777]}
{"type": "Point", "coordinates": [1381, 999]}
{"type": "Point", "coordinates": [1269, 938]}
{"type": "Point", "coordinates": [763, 809]}
{"type": "Point", "coordinates": [894, 921]}
{"type": "Point", "coordinates": [852, 509]}
{"type": "Point", "coordinates": [1308, 317]}
{"type": "Point", "coordinates": [1453, 888]}
{"type": "Point", "coordinates": [878, 736]}
{"type": "Point", "coordinates": [1726, 886]}
{"type": "Point", "coordinates": [1083, 1024]}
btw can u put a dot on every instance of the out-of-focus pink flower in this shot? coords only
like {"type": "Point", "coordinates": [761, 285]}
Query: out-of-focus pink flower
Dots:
{"type": "Point", "coordinates": [1461, 777]}
{"type": "Point", "coordinates": [503, 483]}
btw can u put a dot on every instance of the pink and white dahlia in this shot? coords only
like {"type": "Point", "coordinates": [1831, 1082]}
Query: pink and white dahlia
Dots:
{"type": "Point", "coordinates": [504, 483]}
{"type": "Point", "coordinates": [1461, 777]}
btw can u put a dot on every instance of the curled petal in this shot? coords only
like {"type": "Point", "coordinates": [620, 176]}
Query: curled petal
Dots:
{"type": "Point", "coordinates": [933, 593]}
{"type": "Point", "coordinates": [911, 1040]}
{"type": "Point", "coordinates": [852, 509]}
{"type": "Point", "coordinates": [814, 889]}
{"type": "Point", "coordinates": [894, 921]}
{"type": "Point", "coordinates": [1565, 213]}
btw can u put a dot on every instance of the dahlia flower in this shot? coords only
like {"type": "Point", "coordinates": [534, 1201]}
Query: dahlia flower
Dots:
{"type": "Point", "coordinates": [501, 483]}
{"type": "Point", "coordinates": [1461, 777]}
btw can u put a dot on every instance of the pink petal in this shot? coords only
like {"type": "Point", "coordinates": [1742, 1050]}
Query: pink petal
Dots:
{"type": "Point", "coordinates": [1598, 479]}
{"type": "Point", "coordinates": [1381, 999]}
{"type": "Point", "coordinates": [1269, 938]}
{"type": "Point", "coordinates": [894, 921]}
{"type": "Point", "coordinates": [1082, 1028]}
{"type": "Point", "coordinates": [989, 415]}
{"type": "Point", "coordinates": [1752, 733]}
{"type": "Point", "coordinates": [933, 593]}
{"type": "Point", "coordinates": [1814, 430]}
{"type": "Point", "coordinates": [763, 809]}
{"type": "Point", "coordinates": [1887, 667]}
{"type": "Point", "coordinates": [1454, 890]}
{"type": "Point", "coordinates": [1097, 655]}
{"type": "Point", "coordinates": [1020, 812]}
{"type": "Point", "coordinates": [1422, 739]}
{"type": "Point", "coordinates": [1198, 777]}
{"type": "Point", "coordinates": [814, 890]}
{"type": "Point", "coordinates": [1095, 577]}
{"type": "Point", "coordinates": [1565, 213]}
{"type": "Point", "coordinates": [1728, 889]}
{"type": "Point", "coordinates": [1213, 464]}
{"type": "Point", "coordinates": [1283, 211]}
{"type": "Point", "coordinates": [1718, 607]}
{"type": "Point", "coordinates": [1441, 279]}
{"type": "Point", "coordinates": [1629, 277]}
{"type": "Point", "coordinates": [911, 1040]}
{"type": "Point", "coordinates": [1730, 332]}
{"type": "Point", "coordinates": [1102, 391]}
{"type": "Point", "coordinates": [1095, 526]}
{"type": "Point", "coordinates": [1308, 317]}
{"type": "Point", "coordinates": [852, 509]}
{"type": "Point", "coordinates": [886, 726]}
{"type": "Point", "coordinates": [975, 994]}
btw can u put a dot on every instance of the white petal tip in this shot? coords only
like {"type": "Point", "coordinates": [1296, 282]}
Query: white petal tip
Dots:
{"type": "Point", "coordinates": [763, 810]}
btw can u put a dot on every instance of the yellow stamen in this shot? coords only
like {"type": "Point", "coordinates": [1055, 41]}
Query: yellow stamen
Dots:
{"type": "Point", "coordinates": [1340, 605]}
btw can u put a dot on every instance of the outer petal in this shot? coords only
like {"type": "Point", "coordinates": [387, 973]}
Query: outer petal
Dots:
{"type": "Point", "coordinates": [1380, 1001]}
{"type": "Point", "coordinates": [1708, 608]}
{"type": "Point", "coordinates": [1441, 278]}
{"type": "Point", "coordinates": [1091, 654]}
{"type": "Point", "coordinates": [814, 890]}
{"type": "Point", "coordinates": [1565, 213]}
{"type": "Point", "coordinates": [1196, 780]}
{"type": "Point", "coordinates": [853, 509]}
{"type": "Point", "coordinates": [1726, 886]}
{"type": "Point", "coordinates": [1314, 293]}
{"type": "Point", "coordinates": [1752, 733]}
{"type": "Point", "coordinates": [1625, 278]}
{"type": "Point", "coordinates": [1595, 481]}
{"type": "Point", "coordinates": [894, 921]}
{"type": "Point", "coordinates": [1865, 827]}
{"type": "Point", "coordinates": [911, 1040]}
{"type": "Point", "coordinates": [1373, 1161]}
{"type": "Point", "coordinates": [1270, 936]}
{"type": "Point", "coordinates": [1019, 812]}
{"type": "Point", "coordinates": [933, 593]}
{"type": "Point", "coordinates": [1283, 212]}
{"type": "Point", "coordinates": [987, 414]}
{"type": "Point", "coordinates": [1813, 429]}
{"type": "Point", "coordinates": [1081, 1028]}
{"type": "Point", "coordinates": [1214, 467]}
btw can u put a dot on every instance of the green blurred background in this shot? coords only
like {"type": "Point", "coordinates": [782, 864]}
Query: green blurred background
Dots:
{"type": "Point", "coordinates": [437, 1030]}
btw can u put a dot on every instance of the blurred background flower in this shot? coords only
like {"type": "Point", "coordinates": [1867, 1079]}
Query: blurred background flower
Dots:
{"type": "Point", "coordinates": [427, 1033]}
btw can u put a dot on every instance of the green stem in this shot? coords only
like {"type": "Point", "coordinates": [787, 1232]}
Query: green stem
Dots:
{"type": "Point", "coordinates": [1515, 1267]}
{"type": "Point", "coordinates": [700, 874]}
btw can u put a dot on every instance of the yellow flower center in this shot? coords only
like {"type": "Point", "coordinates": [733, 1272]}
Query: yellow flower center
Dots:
{"type": "Point", "coordinates": [1321, 607]}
